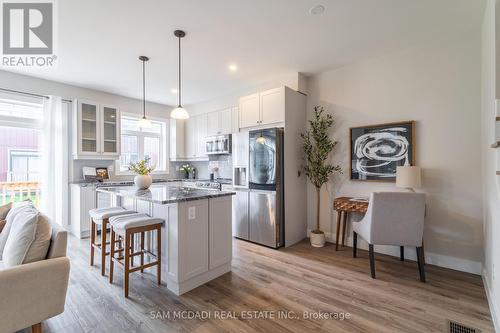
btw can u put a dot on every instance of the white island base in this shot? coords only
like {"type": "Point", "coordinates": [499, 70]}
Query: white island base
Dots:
{"type": "Point", "coordinates": [196, 238]}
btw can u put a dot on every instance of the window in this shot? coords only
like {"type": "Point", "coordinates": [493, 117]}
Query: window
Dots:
{"type": "Point", "coordinates": [20, 138]}
{"type": "Point", "coordinates": [138, 143]}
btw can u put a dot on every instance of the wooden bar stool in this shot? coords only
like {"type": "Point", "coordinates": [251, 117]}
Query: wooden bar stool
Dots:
{"type": "Point", "coordinates": [124, 228]}
{"type": "Point", "coordinates": [100, 217]}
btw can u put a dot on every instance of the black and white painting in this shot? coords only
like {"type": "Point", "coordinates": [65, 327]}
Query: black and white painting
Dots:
{"type": "Point", "coordinates": [377, 150]}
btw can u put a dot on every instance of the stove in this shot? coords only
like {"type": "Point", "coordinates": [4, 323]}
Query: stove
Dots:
{"type": "Point", "coordinates": [209, 185]}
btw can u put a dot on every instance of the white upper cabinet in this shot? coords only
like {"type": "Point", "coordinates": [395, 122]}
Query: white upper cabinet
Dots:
{"type": "Point", "coordinates": [249, 113]}
{"type": "Point", "coordinates": [96, 131]}
{"type": "Point", "coordinates": [235, 126]}
{"type": "Point", "coordinates": [201, 131]}
{"type": "Point", "coordinates": [110, 129]}
{"type": "Point", "coordinates": [212, 123]}
{"type": "Point", "coordinates": [272, 106]}
{"type": "Point", "coordinates": [225, 121]}
{"type": "Point", "coordinates": [219, 122]}
{"type": "Point", "coordinates": [264, 108]}
{"type": "Point", "coordinates": [191, 137]}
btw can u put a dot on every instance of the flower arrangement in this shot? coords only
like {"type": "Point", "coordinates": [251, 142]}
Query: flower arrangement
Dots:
{"type": "Point", "coordinates": [187, 169]}
{"type": "Point", "coordinates": [142, 167]}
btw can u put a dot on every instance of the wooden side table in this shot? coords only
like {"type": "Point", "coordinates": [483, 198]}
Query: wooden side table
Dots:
{"type": "Point", "coordinates": [344, 206]}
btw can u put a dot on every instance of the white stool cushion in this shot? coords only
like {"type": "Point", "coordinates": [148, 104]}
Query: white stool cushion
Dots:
{"type": "Point", "coordinates": [98, 214]}
{"type": "Point", "coordinates": [121, 223]}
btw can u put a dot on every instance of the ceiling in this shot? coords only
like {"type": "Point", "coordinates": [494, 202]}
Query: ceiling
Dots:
{"type": "Point", "coordinates": [99, 41]}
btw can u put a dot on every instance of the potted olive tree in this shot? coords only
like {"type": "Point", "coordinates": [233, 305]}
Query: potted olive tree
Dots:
{"type": "Point", "coordinates": [317, 146]}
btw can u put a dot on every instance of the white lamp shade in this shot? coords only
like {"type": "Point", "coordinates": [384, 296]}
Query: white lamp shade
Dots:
{"type": "Point", "coordinates": [144, 123]}
{"type": "Point", "coordinates": [179, 113]}
{"type": "Point", "coordinates": [408, 176]}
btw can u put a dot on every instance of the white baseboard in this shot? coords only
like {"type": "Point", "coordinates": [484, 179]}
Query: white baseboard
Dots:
{"type": "Point", "coordinates": [494, 310]}
{"type": "Point", "coordinates": [463, 265]}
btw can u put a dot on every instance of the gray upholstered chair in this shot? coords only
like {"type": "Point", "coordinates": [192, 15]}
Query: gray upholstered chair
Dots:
{"type": "Point", "coordinates": [393, 218]}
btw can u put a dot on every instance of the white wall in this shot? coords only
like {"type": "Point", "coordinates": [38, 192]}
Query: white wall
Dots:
{"type": "Point", "coordinates": [34, 85]}
{"type": "Point", "coordinates": [490, 165]}
{"type": "Point", "coordinates": [439, 87]}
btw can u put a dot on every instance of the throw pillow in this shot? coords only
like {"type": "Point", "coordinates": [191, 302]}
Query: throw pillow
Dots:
{"type": "Point", "coordinates": [40, 246]}
{"type": "Point", "coordinates": [16, 208]}
{"type": "Point", "coordinates": [4, 210]}
{"type": "Point", "coordinates": [22, 237]}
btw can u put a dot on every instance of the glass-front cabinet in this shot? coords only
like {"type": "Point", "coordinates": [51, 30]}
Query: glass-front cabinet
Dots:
{"type": "Point", "coordinates": [96, 131]}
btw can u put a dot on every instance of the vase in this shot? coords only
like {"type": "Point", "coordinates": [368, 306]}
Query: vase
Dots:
{"type": "Point", "coordinates": [143, 181]}
{"type": "Point", "coordinates": [317, 238]}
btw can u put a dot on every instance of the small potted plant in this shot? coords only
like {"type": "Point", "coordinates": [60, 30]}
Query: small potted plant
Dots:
{"type": "Point", "coordinates": [187, 170]}
{"type": "Point", "coordinates": [317, 146]}
{"type": "Point", "coordinates": [143, 170]}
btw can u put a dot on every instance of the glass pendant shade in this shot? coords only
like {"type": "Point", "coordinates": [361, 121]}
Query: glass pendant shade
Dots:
{"type": "Point", "coordinates": [144, 123]}
{"type": "Point", "coordinates": [179, 113]}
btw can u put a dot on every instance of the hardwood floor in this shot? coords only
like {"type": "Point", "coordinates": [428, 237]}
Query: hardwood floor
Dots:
{"type": "Point", "coordinates": [299, 279]}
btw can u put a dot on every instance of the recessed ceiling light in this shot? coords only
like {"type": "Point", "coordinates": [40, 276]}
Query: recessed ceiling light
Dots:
{"type": "Point", "coordinates": [317, 10]}
{"type": "Point", "coordinates": [233, 68]}
{"type": "Point", "coordinates": [174, 91]}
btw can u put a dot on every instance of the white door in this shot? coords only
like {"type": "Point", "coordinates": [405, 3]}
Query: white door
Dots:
{"type": "Point", "coordinates": [272, 106]}
{"type": "Point", "coordinates": [110, 129]}
{"type": "Point", "coordinates": [88, 123]}
{"type": "Point", "coordinates": [249, 113]}
{"type": "Point", "coordinates": [225, 121]}
{"type": "Point", "coordinates": [201, 131]}
{"type": "Point", "coordinates": [212, 123]}
{"type": "Point", "coordinates": [191, 137]}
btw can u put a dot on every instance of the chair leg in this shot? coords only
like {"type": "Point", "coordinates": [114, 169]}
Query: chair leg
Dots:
{"type": "Point", "coordinates": [104, 228]}
{"type": "Point", "coordinates": [132, 249]}
{"type": "Point", "coordinates": [337, 233]}
{"type": "Point", "coordinates": [111, 255]}
{"type": "Point", "coordinates": [142, 251]}
{"type": "Point", "coordinates": [127, 262]}
{"type": "Point", "coordinates": [344, 227]}
{"type": "Point", "coordinates": [402, 253]}
{"type": "Point", "coordinates": [37, 328]}
{"type": "Point", "coordinates": [158, 258]}
{"type": "Point", "coordinates": [421, 263]}
{"type": "Point", "coordinates": [354, 244]}
{"type": "Point", "coordinates": [92, 241]}
{"type": "Point", "coordinates": [372, 260]}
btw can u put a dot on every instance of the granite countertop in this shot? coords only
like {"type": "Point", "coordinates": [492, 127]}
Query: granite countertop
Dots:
{"type": "Point", "coordinates": [107, 183]}
{"type": "Point", "coordinates": [164, 193]}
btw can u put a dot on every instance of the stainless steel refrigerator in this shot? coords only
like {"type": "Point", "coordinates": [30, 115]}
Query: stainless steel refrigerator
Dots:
{"type": "Point", "coordinates": [265, 183]}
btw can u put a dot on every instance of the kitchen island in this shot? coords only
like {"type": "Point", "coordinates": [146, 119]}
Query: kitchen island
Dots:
{"type": "Point", "coordinates": [196, 236]}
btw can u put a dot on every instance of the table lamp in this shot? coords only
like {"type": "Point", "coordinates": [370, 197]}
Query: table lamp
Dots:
{"type": "Point", "coordinates": [408, 177]}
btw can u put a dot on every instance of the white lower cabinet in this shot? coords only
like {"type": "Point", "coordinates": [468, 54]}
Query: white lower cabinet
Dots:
{"type": "Point", "coordinates": [220, 232]}
{"type": "Point", "coordinates": [193, 231]}
{"type": "Point", "coordinates": [196, 242]}
{"type": "Point", "coordinates": [83, 199]}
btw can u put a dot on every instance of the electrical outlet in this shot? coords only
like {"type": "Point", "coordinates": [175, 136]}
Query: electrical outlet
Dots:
{"type": "Point", "coordinates": [191, 213]}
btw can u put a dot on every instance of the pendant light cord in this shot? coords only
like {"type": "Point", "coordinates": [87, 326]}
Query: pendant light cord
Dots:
{"type": "Point", "coordinates": [179, 91]}
{"type": "Point", "coordinates": [144, 88]}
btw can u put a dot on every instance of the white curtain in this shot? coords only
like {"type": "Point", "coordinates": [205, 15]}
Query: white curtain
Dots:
{"type": "Point", "coordinates": [54, 175]}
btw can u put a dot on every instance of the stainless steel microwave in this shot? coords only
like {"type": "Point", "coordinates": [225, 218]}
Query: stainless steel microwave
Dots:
{"type": "Point", "coordinates": [220, 144]}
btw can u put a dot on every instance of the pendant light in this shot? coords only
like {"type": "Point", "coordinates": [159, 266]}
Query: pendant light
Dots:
{"type": "Point", "coordinates": [179, 112]}
{"type": "Point", "coordinates": [144, 122]}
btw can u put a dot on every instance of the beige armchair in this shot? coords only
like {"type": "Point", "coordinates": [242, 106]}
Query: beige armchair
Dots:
{"type": "Point", "coordinates": [34, 292]}
{"type": "Point", "coordinates": [393, 218]}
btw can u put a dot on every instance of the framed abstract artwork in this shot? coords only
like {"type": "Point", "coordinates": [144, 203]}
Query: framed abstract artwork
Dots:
{"type": "Point", "coordinates": [377, 150]}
